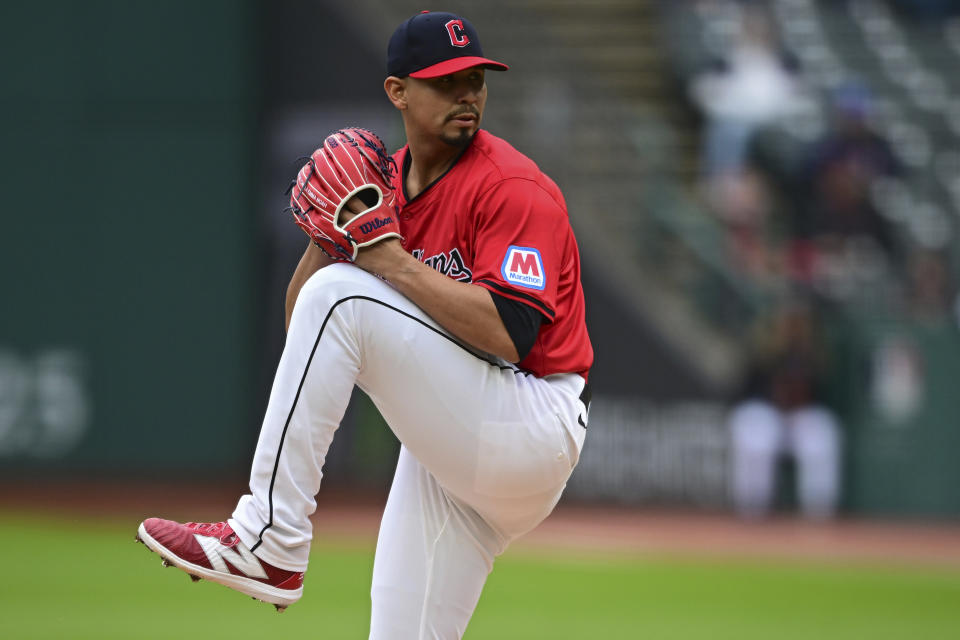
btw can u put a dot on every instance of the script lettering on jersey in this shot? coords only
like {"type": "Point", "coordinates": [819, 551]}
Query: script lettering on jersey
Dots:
{"type": "Point", "coordinates": [449, 264]}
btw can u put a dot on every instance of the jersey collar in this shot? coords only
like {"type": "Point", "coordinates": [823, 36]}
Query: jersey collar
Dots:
{"type": "Point", "coordinates": [405, 168]}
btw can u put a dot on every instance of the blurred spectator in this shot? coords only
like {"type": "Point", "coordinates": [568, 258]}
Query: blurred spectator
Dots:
{"type": "Point", "coordinates": [897, 378]}
{"type": "Point", "coordinates": [782, 413]}
{"type": "Point", "coordinates": [931, 291]}
{"type": "Point", "coordinates": [750, 85]}
{"type": "Point", "coordinates": [836, 225]}
{"type": "Point", "coordinates": [745, 204]}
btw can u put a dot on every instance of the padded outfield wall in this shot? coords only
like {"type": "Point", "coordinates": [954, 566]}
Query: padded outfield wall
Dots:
{"type": "Point", "coordinates": [126, 329]}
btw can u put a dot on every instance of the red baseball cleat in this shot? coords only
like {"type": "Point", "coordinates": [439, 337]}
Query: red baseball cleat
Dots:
{"type": "Point", "coordinates": [214, 552]}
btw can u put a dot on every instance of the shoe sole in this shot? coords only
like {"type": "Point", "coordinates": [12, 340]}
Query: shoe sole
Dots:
{"type": "Point", "coordinates": [281, 598]}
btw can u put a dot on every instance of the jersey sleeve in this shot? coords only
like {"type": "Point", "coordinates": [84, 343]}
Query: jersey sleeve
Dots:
{"type": "Point", "coordinates": [518, 243]}
{"type": "Point", "coordinates": [521, 322]}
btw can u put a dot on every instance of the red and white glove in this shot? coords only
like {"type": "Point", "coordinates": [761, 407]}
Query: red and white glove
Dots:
{"type": "Point", "coordinates": [351, 163]}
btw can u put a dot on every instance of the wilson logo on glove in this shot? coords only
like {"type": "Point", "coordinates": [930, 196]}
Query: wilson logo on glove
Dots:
{"type": "Point", "coordinates": [373, 225]}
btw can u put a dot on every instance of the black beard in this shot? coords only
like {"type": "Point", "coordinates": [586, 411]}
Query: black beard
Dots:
{"type": "Point", "coordinates": [459, 141]}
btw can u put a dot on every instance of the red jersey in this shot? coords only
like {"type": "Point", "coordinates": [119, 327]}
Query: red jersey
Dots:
{"type": "Point", "coordinates": [494, 219]}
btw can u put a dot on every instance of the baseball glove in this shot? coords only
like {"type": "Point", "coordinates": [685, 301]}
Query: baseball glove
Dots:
{"type": "Point", "coordinates": [351, 163]}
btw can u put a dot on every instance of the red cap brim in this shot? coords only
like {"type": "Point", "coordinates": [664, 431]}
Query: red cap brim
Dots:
{"type": "Point", "coordinates": [458, 64]}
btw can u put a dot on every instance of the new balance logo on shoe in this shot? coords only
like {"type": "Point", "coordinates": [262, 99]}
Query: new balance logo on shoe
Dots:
{"type": "Point", "coordinates": [240, 557]}
{"type": "Point", "coordinates": [213, 551]}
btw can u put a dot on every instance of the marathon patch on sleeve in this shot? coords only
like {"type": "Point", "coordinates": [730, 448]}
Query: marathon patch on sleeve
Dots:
{"type": "Point", "coordinates": [523, 267]}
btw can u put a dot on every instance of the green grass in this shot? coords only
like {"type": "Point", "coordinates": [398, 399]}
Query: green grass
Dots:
{"type": "Point", "coordinates": [66, 578]}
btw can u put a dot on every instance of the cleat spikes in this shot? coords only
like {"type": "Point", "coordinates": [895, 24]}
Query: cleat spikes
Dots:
{"type": "Point", "coordinates": [188, 547]}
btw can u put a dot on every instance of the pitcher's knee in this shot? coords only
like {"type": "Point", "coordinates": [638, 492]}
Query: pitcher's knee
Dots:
{"type": "Point", "coordinates": [341, 280]}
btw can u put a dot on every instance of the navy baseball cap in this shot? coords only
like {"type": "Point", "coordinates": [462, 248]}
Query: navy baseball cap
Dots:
{"type": "Point", "coordinates": [433, 44]}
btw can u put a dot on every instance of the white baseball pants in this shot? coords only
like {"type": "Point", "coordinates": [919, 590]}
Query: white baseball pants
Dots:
{"type": "Point", "coordinates": [761, 433]}
{"type": "Point", "coordinates": [486, 453]}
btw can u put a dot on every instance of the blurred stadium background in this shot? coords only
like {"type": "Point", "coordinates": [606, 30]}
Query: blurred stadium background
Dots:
{"type": "Point", "coordinates": [744, 178]}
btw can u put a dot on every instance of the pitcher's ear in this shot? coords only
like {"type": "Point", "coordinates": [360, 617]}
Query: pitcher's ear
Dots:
{"type": "Point", "coordinates": [396, 89]}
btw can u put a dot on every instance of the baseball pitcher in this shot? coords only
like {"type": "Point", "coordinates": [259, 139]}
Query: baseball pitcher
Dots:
{"type": "Point", "coordinates": [444, 281]}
